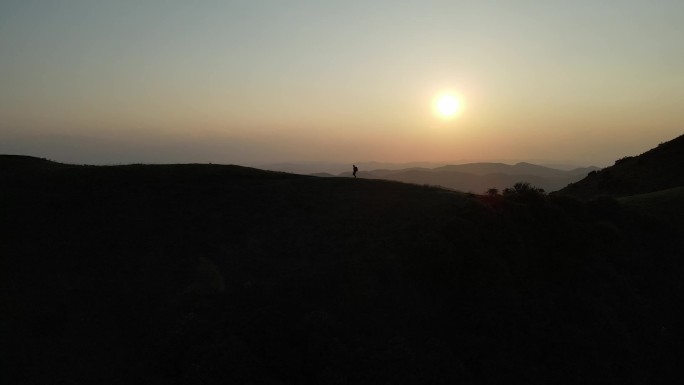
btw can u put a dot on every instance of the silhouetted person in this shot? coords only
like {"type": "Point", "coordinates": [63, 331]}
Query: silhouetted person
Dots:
{"type": "Point", "coordinates": [355, 170]}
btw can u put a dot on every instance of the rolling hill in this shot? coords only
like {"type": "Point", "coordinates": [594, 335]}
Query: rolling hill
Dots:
{"type": "Point", "coordinates": [212, 274]}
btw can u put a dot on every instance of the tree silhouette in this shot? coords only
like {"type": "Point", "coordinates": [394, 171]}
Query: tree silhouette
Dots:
{"type": "Point", "coordinates": [525, 192]}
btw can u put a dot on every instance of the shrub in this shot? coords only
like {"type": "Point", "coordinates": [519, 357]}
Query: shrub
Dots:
{"type": "Point", "coordinates": [524, 192]}
{"type": "Point", "coordinates": [623, 159]}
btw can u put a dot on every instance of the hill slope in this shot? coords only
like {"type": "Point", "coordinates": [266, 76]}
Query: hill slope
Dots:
{"type": "Point", "coordinates": [215, 274]}
{"type": "Point", "coordinates": [657, 169]}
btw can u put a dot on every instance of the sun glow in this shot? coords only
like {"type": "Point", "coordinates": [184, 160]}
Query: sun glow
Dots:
{"type": "Point", "coordinates": [448, 105]}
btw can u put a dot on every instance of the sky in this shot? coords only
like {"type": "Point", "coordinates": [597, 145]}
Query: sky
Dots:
{"type": "Point", "coordinates": [248, 82]}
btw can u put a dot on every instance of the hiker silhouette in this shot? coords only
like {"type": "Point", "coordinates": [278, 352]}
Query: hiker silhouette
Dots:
{"type": "Point", "coordinates": [355, 170]}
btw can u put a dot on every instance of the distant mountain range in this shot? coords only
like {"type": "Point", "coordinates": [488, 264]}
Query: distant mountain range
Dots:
{"type": "Point", "coordinates": [658, 169]}
{"type": "Point", "coordinates": [335, 168]}
{"type": "Point", "coordinates": [479, 177]}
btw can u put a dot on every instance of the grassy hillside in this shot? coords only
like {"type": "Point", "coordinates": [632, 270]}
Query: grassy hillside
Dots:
{"type": "Point", "coordinates": [657, 169]}
{"type": "Point", "coordinates": [208, 274]}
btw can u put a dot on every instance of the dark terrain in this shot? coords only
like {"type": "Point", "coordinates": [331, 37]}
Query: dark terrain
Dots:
{"type": "Point", "coordinates": [209, 274]}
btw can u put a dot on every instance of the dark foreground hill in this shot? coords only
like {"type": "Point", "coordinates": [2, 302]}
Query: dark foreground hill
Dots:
{"type": "Point", "coordinates": [657, 169]}
{"type": "Point", "coordinates": [208, 274]}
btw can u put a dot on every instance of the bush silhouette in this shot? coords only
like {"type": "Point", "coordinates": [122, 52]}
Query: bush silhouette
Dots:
{"type": "Point", "coordinates": [524, 192]}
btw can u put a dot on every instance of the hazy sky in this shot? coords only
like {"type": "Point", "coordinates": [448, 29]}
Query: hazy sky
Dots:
{"type": "Point", "coordinates": [125, 81]}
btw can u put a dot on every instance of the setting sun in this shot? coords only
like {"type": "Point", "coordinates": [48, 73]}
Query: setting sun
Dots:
{"type": "Point", "coordinates": [448, 105]}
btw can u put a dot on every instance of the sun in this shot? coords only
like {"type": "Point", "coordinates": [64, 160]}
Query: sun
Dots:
{"type": "Point", "coordinates": [448, 105]}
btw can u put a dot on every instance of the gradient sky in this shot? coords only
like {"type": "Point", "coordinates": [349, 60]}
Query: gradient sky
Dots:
{"type": "Point", "coordinates": [243, 82]}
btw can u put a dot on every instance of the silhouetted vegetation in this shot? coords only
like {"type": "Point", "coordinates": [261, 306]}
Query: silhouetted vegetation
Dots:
{"type": "Point", "coordinates": [208, 274]}
{"type": "Point", "coordinates": [524, 191]}
{"type": "Point", "coordinates": [624, 160]}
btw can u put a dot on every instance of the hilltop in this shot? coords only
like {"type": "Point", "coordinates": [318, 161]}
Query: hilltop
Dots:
{"type": "Point", "coordinates": [213, 274]}
{"type": "Point", "coordinates": [657, 169]}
